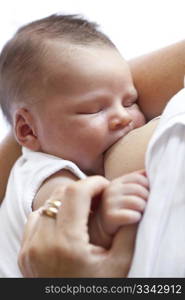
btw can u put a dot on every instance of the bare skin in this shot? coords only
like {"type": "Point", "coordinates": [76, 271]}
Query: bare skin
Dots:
{"type": "Point", "coordinates": [165, 65]}
{"type": "Point", "coordinates": [33, 253]}
{"type": "Point", "coordinates": [128, 154]}
{"type": "Point", "coordinates": [66, 240]}
{"type": "Point", "coordinates": [158, 76]}
{"type": "Point", "coordinates": [9, 152]}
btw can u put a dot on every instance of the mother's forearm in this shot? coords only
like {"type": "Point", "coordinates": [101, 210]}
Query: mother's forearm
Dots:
{"type": "Point", "coordinates": [9, 152]}
{"type": "Point", "coordinates": [158, 76]}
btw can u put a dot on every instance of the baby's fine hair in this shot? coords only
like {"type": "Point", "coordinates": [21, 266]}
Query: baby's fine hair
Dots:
{"type": "Point", "coordinates": [23, 58]}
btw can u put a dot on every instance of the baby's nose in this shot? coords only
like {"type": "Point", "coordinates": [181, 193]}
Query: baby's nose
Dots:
{"type": "Point", "coordinates": [119, 122]}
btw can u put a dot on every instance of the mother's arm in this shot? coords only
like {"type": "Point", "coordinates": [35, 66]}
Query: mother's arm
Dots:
{"type": "Point", "coordinates": [158, 76]}
{"type": "Point", "coordinates": [9, 152]}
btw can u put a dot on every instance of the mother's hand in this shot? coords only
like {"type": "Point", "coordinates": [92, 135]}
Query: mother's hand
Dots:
{"type": "Point", "coordinates": [60, 247]}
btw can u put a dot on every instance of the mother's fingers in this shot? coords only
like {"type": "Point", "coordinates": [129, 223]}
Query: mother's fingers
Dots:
{"type": "Point", "coordinates": [38, 227]}
{"type": "Point", "coordinates": [30, 230]}
{"type": "Point", "coordinates": [73, 213]}
{"type": "Point", "coordinates": [31, 225]}
{"type": "Point", "coordinates": [59, 246]}
{"type": "Point", "coordinates": [75, 208]}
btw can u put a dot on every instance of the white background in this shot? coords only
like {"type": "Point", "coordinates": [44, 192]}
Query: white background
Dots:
{"type": "Point", "coordinates": [135, 26]}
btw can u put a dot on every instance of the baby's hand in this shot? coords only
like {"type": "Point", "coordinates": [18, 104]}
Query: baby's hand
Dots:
{"type": "Point", "coordinates": [122, 203]}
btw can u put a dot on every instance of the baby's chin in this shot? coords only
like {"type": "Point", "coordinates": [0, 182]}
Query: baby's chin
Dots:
{"type": "Point", "coordinates": [109, 151]}
{"type": "Point", "coordinates": [97, 168]}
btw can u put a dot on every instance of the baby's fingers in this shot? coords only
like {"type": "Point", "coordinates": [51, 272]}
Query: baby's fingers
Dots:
{"type": "Point", "coordinates": [132, 202]}
{"type": "Point", "coordinates": [135, 189]}
{"type": "Point", "coordinates": [120, 218]}
{"type": "Point", "coordinates": [135, 177]}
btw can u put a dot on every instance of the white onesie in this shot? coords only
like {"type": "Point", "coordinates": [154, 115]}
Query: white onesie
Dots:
{"type": "Point", "coordinates": [27, 175]}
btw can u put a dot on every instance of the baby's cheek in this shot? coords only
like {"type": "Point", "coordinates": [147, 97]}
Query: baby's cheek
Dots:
{"type": "Point", "coordinates": [139, 119]}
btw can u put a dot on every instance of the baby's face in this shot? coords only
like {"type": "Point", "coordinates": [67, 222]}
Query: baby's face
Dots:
{"type": "Point", "coordinates": [93, 106]}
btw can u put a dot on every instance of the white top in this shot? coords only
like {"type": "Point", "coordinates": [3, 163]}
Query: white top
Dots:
{"type": "Point", "coordinates": [160, 245]}
{"type": "Point", "coordinates": [27, 175]}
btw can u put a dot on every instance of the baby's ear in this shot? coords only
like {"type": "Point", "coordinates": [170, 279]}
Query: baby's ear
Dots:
{"type": "Point", "coordinates": [24, 129]}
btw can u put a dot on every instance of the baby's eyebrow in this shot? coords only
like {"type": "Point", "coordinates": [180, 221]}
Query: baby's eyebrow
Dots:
{"type": "Point", "coordinates": [95, 98]}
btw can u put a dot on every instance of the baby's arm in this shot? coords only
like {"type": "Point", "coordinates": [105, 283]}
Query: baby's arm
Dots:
{"type": "Point", "coordinates": [122, 203]}
{"type": "Point", "coordinates": [52, 187]}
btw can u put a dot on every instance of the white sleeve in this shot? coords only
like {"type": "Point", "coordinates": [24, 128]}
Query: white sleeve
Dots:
{"type": "Point", "coordinates": [32, 169]}
{"type": "Point", "coordinates": [160, 243]}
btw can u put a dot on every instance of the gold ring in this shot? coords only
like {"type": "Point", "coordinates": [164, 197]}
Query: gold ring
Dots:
{"type": "Point", "coordinates": [51, 208]}
{"type": "Point", "coordinates": [54, 203]}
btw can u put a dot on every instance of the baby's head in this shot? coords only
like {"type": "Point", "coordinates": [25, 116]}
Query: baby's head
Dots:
{"type": "Point", "coordinates": [67, 91]}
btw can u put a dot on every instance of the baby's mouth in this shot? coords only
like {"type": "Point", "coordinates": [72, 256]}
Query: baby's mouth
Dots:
{"type": "Point", "coordinates": [124, 132]}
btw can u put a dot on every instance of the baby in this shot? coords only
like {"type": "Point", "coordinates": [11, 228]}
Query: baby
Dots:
{"type": "Point", "coordinates": [69, 96]}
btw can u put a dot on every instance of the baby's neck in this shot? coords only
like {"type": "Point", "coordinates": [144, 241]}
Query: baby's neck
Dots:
{"type": "Point", "coordinates": [95, 171]}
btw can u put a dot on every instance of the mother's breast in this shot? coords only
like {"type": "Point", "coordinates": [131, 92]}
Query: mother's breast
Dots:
{"type": "Point", "coordinates": [128, 154]}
